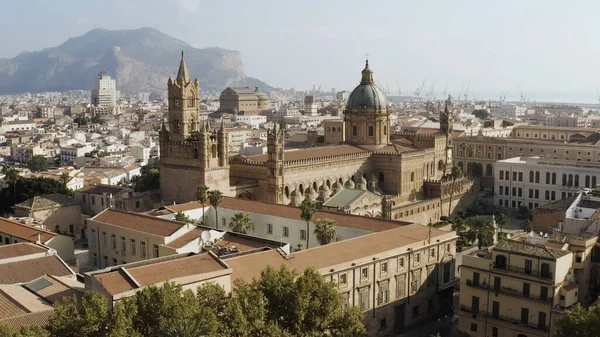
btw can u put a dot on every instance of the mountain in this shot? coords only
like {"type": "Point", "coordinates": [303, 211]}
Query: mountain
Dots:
{"type": "Point", "coordinates": [140, 59]}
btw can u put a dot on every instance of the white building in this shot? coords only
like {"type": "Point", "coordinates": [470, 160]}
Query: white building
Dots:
{"type": "Point", "coordinates": [104, 95]}
{"type": "Point", "coordinates": [532, 181]}
{"type": "Point", "coordinates": [254, 120]}
{"type": "Point", "coordinates": [18, 125]}
{"type": "Point", "coordinates": [69, 154]}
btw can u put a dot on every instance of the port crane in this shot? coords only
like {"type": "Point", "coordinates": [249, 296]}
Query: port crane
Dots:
{"type": "Point", "coordinates": [467, 91]}
{"type": "Point", "coordinates": [431, 93]}
{"type": "Point", "coordinates": [445, 89]}
{"type": "Point", "coordinates": [419, 89]}
{"type": "Point", "coordinates": [460, 92]}
{"type": "Point", "coordinates": [399, 90]}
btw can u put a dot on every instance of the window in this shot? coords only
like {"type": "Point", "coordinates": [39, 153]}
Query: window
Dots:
{"type": "Point", "coordinates": [371, 131]}
{"type": "Point", "coordinates": [528, 266]}
{"type": "Point", "coordinates": [415, 311]}
{"type": "Point", "coordinates": [95, 259]}
{"type": "Point", "coordinates": [363, 299]}
{"type": "Point", "coordinates": [541, 320]}
{"type": "Point", "coordinates": [417, 258]}
{"type": "Point", "coordinates": [400, 263]}
{"type": "Point", "coordinates": [143, 248]}
{"type": "Point", "coordinates": [544, 293]}
{"type": "Point", "coordinates": [545, 270]}
{"type": "Point", "coordinates": [415, 281]}
{"type": "Point", "coordinates": [526, 289]}
{"type": "Point", "coordinates": [93, 238]}
{"type": "Point", "coordinates": [269, 228]}
{"type": "Point", "coordinates": [364, 274]}
{"type": "Point", "coordinates": [432, 252]}
{"type": "Point", "coordinates": [133, 247]}
{"type": "Point", "coordinates": [547, 195]}
{"type": "Point", "coordinates": [123, 245]}
{"type": "Point", "coordinates": [286, 231]}
{"type": "Point", "coordinates": [520, 176]}
{"type": "Point", "coordinates": [514, 176]}
{"type": "Point", "coordinates": [303, 234]}
{"type": "Point", "coordinates": [384, 292]}
{"type": "Point", "coordinates": [93, 199]}
{"type": "Point", "coordinates": [537, 193]}
{"type": "Point", "coordinates": [354, 130]}
{"type": "Point", "coordinates": [475, 278]}
{"type": "Point", "coordinates": [115, 262]}
{"type": "Point", "coordinates": [155, 251]}
{"type": "Point", "coordinates": [474, 327]}
{"type": "Point", "coordinates": [105, 261]}
{"type": "Point", "coordinates": [447, 248]}
{"type": "Point", "coordinates": [495, 329]}
{"type": "Point", "coordinates": [104, 239]}
{"type": "Point", "coordinates": [475, 304]}
{"type": "Point", "coordinates": [382, 324]}
{"type": "Point", "coordinates": [114, 242]}
{"type": "Point", "coordinates": [524, 316]}
{"type": "Point", "coordinates": [401, 284]}
{"type": "Point", "coordinates": [501, 175]}
{"type": "Point", "coordinates": [537, 177]}
{"type": "Point", "coordinates": [495, 309]}
{"type": "Point", "coordinates": [343, 279]}
{"type": "Point", "coordinates": [530, 193]}
{"type": "Point", "coordinates": [500, 190]}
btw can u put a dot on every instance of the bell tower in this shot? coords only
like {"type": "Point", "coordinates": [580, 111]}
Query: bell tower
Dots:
{"type": "Point", "coordinates": [275, 164]}
{"type": "Point", "coordinates": [183, 104]}
{"type": "Point", "coordinates": [191, 153]}
{"type": "Point", "coordinates": [446, 129]}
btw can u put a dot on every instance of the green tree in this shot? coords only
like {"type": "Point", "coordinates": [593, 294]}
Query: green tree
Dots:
{"type": "Point", "coordinates": [502, 221]}
{"type": "Point", "coordinates": [523, 212]}
{"type": "Point", "coordinates": [481, 113]}
{"type": "Point", "coordinates": [25, 188]}
{"type": "Point", "coordinates": [309, 209]}
{"type": "Point", "coordinates": [241, 223]}
{"type": "Point", "coordinates": [325, 230]}
{"type": "Point", "coordinates": [216, 198]}
{"type": "Point", "coordinates": [578, 322]}
{"type": "Point", "coordinates": [11, 175]}
{"type": "Point", "coordinates": [480, 230]}
{"type": "Point", "coordinates": [202, 196]}
{"type": "Point", "coordinates": [92, 318]}
{"type": "Point", "coordinates": [64, 178]}
{"type": "Point", "coordinates": [526, 225]}
{"type": "Point", "coordinates": [458, 225]}
{"type": "Point", "coordinates": [37, 163]}
{"type": "Point", "coordinates": [180, 216]}
{"type": "Point", "coordinates": [149, 179]}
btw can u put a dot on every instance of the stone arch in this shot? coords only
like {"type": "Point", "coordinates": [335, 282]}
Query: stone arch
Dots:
{"type": "Point", "coordinates": [315, 186]}
{"type": "Point", "coordinates": [328, 183]}
{"type": "Point", "coordinates": [196, 154]}
{"type": "Point", "coordinates": [245, 195]}
{"type": "Point", "coordinates": [440, 165]}
{"type": "Point", "coordinates": [412, 177]}
{"type": "Point", "coordinates": [461, 165]}
{"type": "Point", "coordinates": [286, 191]}
{"type": "Point", "coordinates": [301, 189]}
{"type": "Point", "coordinates": [469, 168]}
{"type": "Point", "coordinates": [488, 170]}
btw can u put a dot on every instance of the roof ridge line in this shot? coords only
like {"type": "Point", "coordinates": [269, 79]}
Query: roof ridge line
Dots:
{"type": "Point", "coordinates": [137, 284]}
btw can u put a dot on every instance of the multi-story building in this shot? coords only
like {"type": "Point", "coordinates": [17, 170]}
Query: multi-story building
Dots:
{"type": "Point", "coordinates": [518, 288]}
{"type": "Point", "coordinates": [73, 154]}
{"type": "Point", "coordinates": [96, 198]}
{"type": "Point", "coordinates": [56, 212]}
{"type": "Point", "coordinates": [235, 100]}
{"type": "Point", "coordinates": [17, 125]}
{"type": "Point", "coordinates": [533, 181]}
{"type": "Point", "coordinates": [104, 95]}
{"type": "Point", "coordinates": [255, 120]}
{"type": "Point", "coordinates": [23, 153]}
{"type": "Point", "coordinates": [400, 278]}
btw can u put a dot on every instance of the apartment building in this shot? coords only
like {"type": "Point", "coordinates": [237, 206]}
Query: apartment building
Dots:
{"type": "Point", "coordinates": [518, 288]}
{"type": "Point", "coordinates": [533, 181]}
{"type": "Point", "coordinates": [56, 212]}
{"type": "Point", "coordinates": [96, 198]}
{"type": "Point", "coordinates": [401, 278]}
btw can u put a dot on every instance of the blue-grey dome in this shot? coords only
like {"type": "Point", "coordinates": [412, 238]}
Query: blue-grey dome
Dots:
{"type": "Point", "coordinates": [366, 94]}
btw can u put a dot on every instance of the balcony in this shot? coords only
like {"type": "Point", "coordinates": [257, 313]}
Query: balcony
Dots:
{"type": "Point", "coordinates": [479, 285]}
{"type": "Point", "coordinates": [508, 291]}
{"type": "Point", "coordinates": [523, 271]}
{"type": "Point", "coordinates": [518, 322]}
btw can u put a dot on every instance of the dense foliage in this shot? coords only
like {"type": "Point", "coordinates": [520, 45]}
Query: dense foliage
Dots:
{"type": "Point", "coordinates": [37, 163]}
{"type": "Point", "coordinates": [481, 113]}
{"type": "Point", "coordinates": [281, 303]}
{"type": "Point", "coordinates": [579, 322]}
{"type": "Point", "coordinates": [25, 188]}
{"type": "Point", "coordinates": [149, 179]}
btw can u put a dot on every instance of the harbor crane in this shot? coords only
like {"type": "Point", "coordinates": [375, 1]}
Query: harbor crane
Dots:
{"type": "Point", "coordinates": [460, 92]}
{"type": "Point", "coordinates": [446, 89]}
{"type": "Point", "coordinates": [399, 90]}
{"type": "Point", "coordinates": [521, 93]}
{"type": "Point", "coordinates": [419, 89]}
{"type": "Point", "coordinates": [467, 91]}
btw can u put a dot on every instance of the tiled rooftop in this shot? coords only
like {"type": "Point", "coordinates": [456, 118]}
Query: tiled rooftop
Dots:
{"type": "Point", "coordinates": [49, 201]}
{"type": "Point", "coordinates": [558, 205]}
{"type": "Point", "coordinates": [139, 222]}
{"type": "Point", "coordinates": [314, 153]}
{"type": "Point", "coordinates": [23, 231]}
{"type": "Point", "coordinates": [20, 249]}
{"type": "Point", "coordinates": [563, 237]}
{"type": "Point", "coordinates": [525, 248]}
{"type": "Point", "coordinates": [39, 318]}
{"type": "Point", "coordinates": [27, 270]}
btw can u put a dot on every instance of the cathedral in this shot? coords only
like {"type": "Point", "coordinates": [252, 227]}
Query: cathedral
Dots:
{"type": "Point", "coordinates": [402, 176]}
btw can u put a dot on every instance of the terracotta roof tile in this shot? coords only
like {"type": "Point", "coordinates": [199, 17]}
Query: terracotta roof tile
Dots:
{"type": "Point", "coordinates": [186, 238]}
{"type": "Point", "coordinates": [39, 318]}
{"type": "Point", "coordinates": [570, 286]}
{"type": "Point", "coordinates": [23, 231]}
{"type": "Point", "coordinates": [9, 307]}
{"type": "Point", "coordinates": [20, 249]}
{"type": "Point", "coordinates": [290, 212]}
{"type": "Point", "coordinates": [558, 205]}
{"type": "Point", "coordinates": [55, 291]}
{"type": "Point", "coordinates": [27, 270]}
{"type": "Point", "coordinates": [139, 222]}
{"type": "Point", "coordinates": [313, 153]}
{"type": "Point", "coordinates": [250, 266]}
{"type": "Point", "coordinates": [526, 248]}
{"type": "Point", "coordinates": [116, 282]}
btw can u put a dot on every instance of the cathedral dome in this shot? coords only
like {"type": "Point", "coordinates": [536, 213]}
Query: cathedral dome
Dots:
{"type": "Point", "coordinates": [366, 95]}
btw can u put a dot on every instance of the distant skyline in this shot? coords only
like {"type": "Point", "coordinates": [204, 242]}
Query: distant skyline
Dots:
{"type": "Point", "coordinates": [544, 47]}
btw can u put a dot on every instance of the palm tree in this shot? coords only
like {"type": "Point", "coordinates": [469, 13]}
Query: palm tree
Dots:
{"type": "Point", "coordinates": [241, 223]}
{"type": "Point", "coordinates": [11, 175]}
{"type": "Point", "coordinates": [325, 230]}
{"type": "Point", "coordinates": [458, 225]}
{"type": "Point", "coordinates": [480, 230]}
{"type": "Point", "coordinates": [309, 209]}
{"type": "Point", "coordinates": [186, 327]}
{"type": "Point", "coordinates": [455, 173]}
{"type": "Point", "coordinates": [202, 195]}
{"type": "Point", "coordinates": [64, 178]}
{"type": "Point", "coordinates": [215, 197]}
{"type": "Point", "coordinates": [501, 220]}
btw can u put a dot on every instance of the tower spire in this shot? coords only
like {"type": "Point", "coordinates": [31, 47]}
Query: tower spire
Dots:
{"type": "Point", "coordinates": [367, 74]}
{"type": "Point", "coordinates": [182, 75]}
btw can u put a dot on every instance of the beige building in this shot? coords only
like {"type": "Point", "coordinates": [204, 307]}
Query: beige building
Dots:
{"type": "Point", "coordinates": [408, 170]}
{"type": "Point", "coordinates": [96, 198]}
{"type": "Point", "coordinates": [519, 288]}
{"type": "Point", "coordinates": [401, 278]}
{"type": "Point", "coordinates": [54, 211]}
{"type": "Point", "coordinates": [234, 100]}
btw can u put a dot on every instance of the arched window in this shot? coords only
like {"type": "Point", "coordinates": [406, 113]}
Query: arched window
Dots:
{"type": "Point", "coordinates": [499, 155]}
{"type": "Point", "coordinates": [570, 182]}
{"type": "Point", "coordinates": [593, 182]}
{"type": "Point", "coordinates": [412, 176]}
{"type": "Point", "coordinates": [587, 181]}
{"type": "Point", "coordinates": [488, 170]}
{"type": "Point", "coordinates": [564, 179]}
{"type": "Point", "coordinates": [548, 178]}
{"type": "Point", "coordinates": [577, 180]}
{"type": "Point", "coordinates": [214, 150]}
{"type": "Point", "coordinates": [196, 154]}
{"type": "Point", "coordinates": [440, 165]}
{"type": "Point", "coordinates": [537, 177]}
{"type": "Point", "coordinates": [553, 178]}
{"type": "Point", "coordinates": [530, 176]}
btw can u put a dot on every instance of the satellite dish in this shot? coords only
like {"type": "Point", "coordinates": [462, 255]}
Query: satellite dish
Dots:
{"type": "Point", "coordinates": [541, 234]}
{"type": "Point", "coordinates": [531, 234]}
{"type": "Point", "coordinates": [508, 236]}
{"type": "Point", "coordinates": [206, 236]}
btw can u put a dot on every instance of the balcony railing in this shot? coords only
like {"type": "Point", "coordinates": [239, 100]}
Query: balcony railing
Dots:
{"type": "Point", "coordinates": [523, 271]}
{"type": "Point", "coordinates": [518, 322]}
{"type": "Point", "coordinates": [507, 291]}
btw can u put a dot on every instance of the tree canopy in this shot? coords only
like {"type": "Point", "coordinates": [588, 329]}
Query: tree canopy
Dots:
{"type": "Point", "coordinates": [579, 322]}
{"type": "Point", "coordinates": [149, 179]}
{"type": "Point", "coordinates": [37, 163]}
{"type": "Point", "coordinates": [481, 113]}
{"type": "Point", "coordinates": [280, 303]}
{"type": "Point", "coordinates": [325, 230]}
{"type": "Point", "coordinates": [25, 188]}
{"type": "Point", "coordinates": [180, 216]}
{"type": "Point", "coordinates": [241, 223]}
{"type": "Point", "coordinates": [480, 230]}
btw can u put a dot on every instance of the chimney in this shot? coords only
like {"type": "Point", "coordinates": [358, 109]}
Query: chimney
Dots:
{"type": "Point", "coordinates": [39, 238]}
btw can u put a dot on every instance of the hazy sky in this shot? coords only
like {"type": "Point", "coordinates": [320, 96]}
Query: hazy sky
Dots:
{"type": "Point", "coordinates": [543, 46]}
